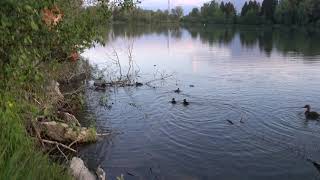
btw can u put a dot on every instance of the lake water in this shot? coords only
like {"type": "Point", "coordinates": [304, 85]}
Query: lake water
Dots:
{"type": "Point", "coordinates": [261, 77]}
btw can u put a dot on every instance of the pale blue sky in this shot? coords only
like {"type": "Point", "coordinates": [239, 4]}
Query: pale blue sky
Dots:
{"type": "Point", "coordinates": [187, 4]}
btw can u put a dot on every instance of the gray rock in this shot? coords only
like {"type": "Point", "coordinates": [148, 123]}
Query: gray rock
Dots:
{"type": "Point", "coordinates": [53, 92]}
{"type": "Point", "coordinates": [79, 171]}
{"type": "Point", "coordinates": [69, 118]}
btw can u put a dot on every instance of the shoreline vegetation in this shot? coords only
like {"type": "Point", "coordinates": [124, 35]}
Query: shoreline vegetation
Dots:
{"type": "Point", "coordinates": [41, 42]}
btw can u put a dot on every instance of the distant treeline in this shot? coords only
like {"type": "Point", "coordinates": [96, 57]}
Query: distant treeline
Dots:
{"type": "Point", "coordinates": [288, 12]}
{"type": "Point", "coordinates": [147, 16]}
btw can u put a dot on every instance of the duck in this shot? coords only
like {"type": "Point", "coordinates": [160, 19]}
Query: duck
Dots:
{"type": "Point", "coordinates": [173, 101]}
{"type": "Point", "coordinates": [185, 102]}
{"type": "Point", "coordinates": [311, 114]}
{"type": "Point", "coordinates": [138, 84]}
{"type": "Point", "coordinates": [177, 90]}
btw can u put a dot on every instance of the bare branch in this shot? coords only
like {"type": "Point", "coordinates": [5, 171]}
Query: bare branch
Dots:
{"type": "Point", "coordinates": [60, 144]}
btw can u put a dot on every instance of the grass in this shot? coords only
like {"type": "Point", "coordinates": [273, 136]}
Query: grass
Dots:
{"type": "Point", "coordinates": [19, 156]}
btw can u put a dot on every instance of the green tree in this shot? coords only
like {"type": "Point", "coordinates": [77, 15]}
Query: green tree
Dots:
{"type": "Point", "coordinates": [251, 13]}
{"type": "Point", "coordinates": [244, 9]}
{"type": "Point", "coordinates": [177, 12]}
{"type": "Point", "coordinates": [268, 8]}
{"type": "Point", "coordinates": [195, 12]}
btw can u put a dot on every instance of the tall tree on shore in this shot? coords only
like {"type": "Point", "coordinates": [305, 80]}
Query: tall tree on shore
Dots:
{"type": "Point", "coordinates": [177, 12]}
{"type": "Point", "coordinates": [253, 7]}
{"type": "Point", "coordinates": [268, 9]}
{"type": "Point", "coordinates": [222, 6]}
{"type": "Point", "coordinates": [244, 9]}
{"type": "Point", "coordinates": [194, 12]}
{"type": "Point", "coordinates": [229, 10]}
{"type": "Point", "coordinates": [250, 13]}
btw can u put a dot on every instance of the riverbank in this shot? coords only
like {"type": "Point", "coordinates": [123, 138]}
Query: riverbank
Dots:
{"type": "Point", "coordinates": [41, 42]}
{"type": "Point", "coordinates": [48, 129]}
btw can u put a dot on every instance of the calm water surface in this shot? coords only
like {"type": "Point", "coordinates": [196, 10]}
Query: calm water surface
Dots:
{"type": "Point", "coordinates": [258, 75]}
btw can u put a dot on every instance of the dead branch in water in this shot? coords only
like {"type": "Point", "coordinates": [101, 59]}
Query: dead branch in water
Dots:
{"type": "Point", "coordinates": [158, 79]}
{"type": "Point", "coordinates": [117, 62]}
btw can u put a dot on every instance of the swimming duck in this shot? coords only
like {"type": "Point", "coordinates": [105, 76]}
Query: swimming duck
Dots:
{"type": "Point", "coordinates": [185, 102]}
{"type": "Point", "coordinates": [138, 84]}
{"type": "Point", "coordinates": [310, 114]}
{"type": "Point", "coordinates": [173, 101]}
{"type": "Point", "coordinates": [177, 90]}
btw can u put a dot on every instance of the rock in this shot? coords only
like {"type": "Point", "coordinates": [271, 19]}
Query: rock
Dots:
{"type": "Point", "coordinates": [54, 93]}
{"type": "Point", "coordinates": [101, 174]}
{"type": "Point", "coordinates": [69, 118]}
{"type": "Point", "coordinates": [79, 171]}
{"type": "Point", "coordinates": [62, 132]}
{"type": "Point", "coordinates": [54, 130]}
{"type": "Point", "coordinates": [57, 90]}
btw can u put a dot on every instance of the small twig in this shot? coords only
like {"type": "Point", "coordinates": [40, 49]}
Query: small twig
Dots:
{"type": "Point", "coordinates": [57, 143]}
{"type": "Point", "coordinates": [62, 153]}
{"type": "Point", "coordinates": [37, 101]}
{"type": "Point", "coordinates": [52, 149]}
{"type": "Point", "coordinates": [73, 143]}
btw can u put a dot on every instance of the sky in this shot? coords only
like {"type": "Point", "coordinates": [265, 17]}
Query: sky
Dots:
{"type": "Point", "coordinates": [186, 4]}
